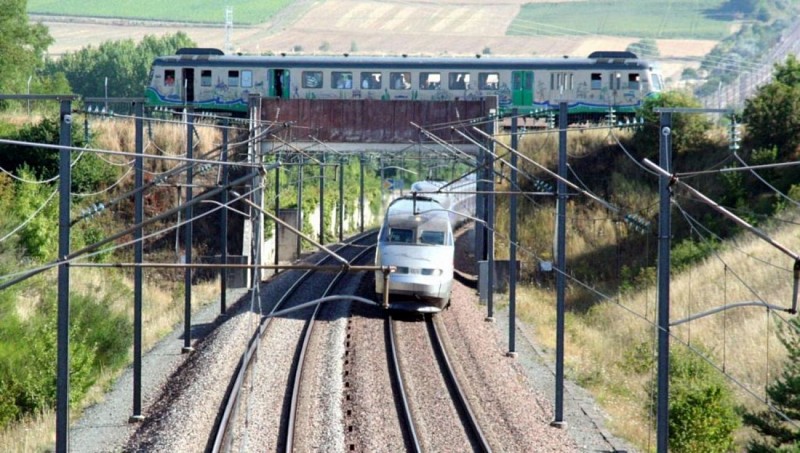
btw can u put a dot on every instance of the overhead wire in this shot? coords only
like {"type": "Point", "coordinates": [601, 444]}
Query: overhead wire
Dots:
{"type": "Point", "coordinates": [697, 224]}
{"type": "Point", "coordinates": [167, 229]}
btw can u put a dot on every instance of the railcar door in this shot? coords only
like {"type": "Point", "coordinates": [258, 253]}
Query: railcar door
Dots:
{"type": "Point", "coordinates": [279, 86]}
{"type": "Point", "coordinates": [188, 84]}
{"type": "Point", "coordinates": [522, 88]}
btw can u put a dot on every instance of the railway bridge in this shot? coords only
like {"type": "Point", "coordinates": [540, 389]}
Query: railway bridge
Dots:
{"type": "Point", "coordinates": [354, 125]}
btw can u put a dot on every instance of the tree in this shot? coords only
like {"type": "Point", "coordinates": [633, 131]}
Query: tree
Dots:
{"type": "Point", "coordinates": [741, 7]}
{"type": "Point", "coordinates": [22, 46]}
{"type": "Point", "coordinates": [646, 48]}
{"type": "Point", "coordinates": [688, 130]}
{"type": "Point", "coordinates": [773, 115]}
{"type": "Point", "coordinates": [125, 64]}
{"type": "Point", "coordinates": [784, 395]}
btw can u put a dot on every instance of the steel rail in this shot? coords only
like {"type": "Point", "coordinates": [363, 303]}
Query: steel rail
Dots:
{"type": "Point", "coordinates": [459, 397]}
{"type": "Point", "coordinates": [391, 344]}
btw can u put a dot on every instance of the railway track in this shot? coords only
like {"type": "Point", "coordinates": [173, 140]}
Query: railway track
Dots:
{"type": "Point", "coordinates": [293, 430]}
{"type": "Point", "coordinates": [415, 418]}
{"type": "Point", "coordinates": [230, 433]}
{"type": "Point", "coordinates": [285, 415]}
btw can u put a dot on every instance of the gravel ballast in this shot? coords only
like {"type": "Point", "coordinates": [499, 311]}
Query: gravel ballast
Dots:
{"type": "Point", "coordinates": [512, 397]}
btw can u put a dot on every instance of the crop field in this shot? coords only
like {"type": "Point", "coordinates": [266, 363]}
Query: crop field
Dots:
{"type": "Point", "coordinates": [204, 11]}
{"type": "Point", "coordinates": [657, 19]}
{"type": "Point", "coordinates": [378, 27]}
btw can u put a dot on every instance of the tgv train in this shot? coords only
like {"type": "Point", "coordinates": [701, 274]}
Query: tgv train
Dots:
{"type": "Point", "coordinates": [207, 79]}
{"type": "Point", "coordinates": [416, 237]}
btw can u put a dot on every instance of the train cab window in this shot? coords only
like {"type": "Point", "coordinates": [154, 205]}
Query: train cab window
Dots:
{"type": "Point", "coordinates": [400, 80]}
{"type": "Point", "coordinates": [633, 81]}
{"type": "Point", "coordinates": [371, 80]}
{"type": "Point", "coordinates": [430, 80]}
{"type": "Point", "coordinates": [205, 78]}
{"type": "Point", "coordinates": [247, 79]}
{"type": "Point", "coordinates": [432, 237]}
{"type": "Point", "coordinates": [657, 81]}
{"type": "Point", "coordinates": [458, 80]}
{"type": "Point", "coordinates": [169, 77]}
{"type": "Point", "coordinates": [489, 80]}
{"type": "Point", "coordinates": [312, 79]}
{"type": "Point", "coordinates": [597, 81]}
{"type": "Point", "coordinates": [342, 80]}
{"type": "Point", "coordinates": [402, 235]}
{"type": "Point", "coordinates": [233, 78]}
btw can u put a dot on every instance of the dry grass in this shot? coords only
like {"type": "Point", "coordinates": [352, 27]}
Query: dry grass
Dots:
{"type": "Point", "coordinates": [165, 139]}
{"type": "Point", "coordinates": [591, 223]}
{"type": "Point", "coordinates": [36, 433]}
{"type": "Point", "coordinates": [741, 341]}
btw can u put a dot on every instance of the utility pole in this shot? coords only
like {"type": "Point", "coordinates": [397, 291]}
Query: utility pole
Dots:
{"type": "Point", "coordinates": [561, 264]}
{"type": "Point", "coordinates": [62, 365]}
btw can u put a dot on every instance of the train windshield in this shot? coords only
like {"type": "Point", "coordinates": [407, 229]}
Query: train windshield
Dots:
{"type": "Point", "coordinates": [402, 235]}
{"type": "Point", "coordinates": [658, 82]}
{"type": "Point", "coordinates": [417, 236]}
{"type": "Point", "coordinates": [432, 237]}
{"type": "Point", "coordinates": [420, 222]}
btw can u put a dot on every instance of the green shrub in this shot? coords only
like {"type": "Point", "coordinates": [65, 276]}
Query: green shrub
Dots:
{"type": "Point", "coordinates": [702, 415]}
{"type": "Point", "coordinates": [89, 174]}
{"type": "Point", "coordinates": [39, 236]}
{"type": "Point", "coordinates": [688, 252]}
{"type": "Point", "coordinates": [99, 339]}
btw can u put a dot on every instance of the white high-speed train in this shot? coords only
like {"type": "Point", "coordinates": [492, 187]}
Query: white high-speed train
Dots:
{"type": "Point", "coordinates": [416, 238]}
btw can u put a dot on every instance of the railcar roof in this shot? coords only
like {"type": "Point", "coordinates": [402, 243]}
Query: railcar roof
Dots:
{"type": "Point", "coordinates": [428, 214]}
{"type": "Point", "coordinates": [421, 63]}
{"type": "Point", "coordinates": [405, 206]}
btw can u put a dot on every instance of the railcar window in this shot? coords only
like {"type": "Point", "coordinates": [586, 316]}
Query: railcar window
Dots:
{"type": "Point", "coordinates": [489, 80]}
{"type": "Point", "coordinates": [205, 78]}
{"type": "Point", "coordinates": [400, 80]}
{"type": "Point", "coordinates": [371, 80]}
{"type": "Point", "coordinates": [233, 78]}
{"type": "Point", "coordinates": [342, 80]}
{"type": "Point", "coordinates": [430, 80]}
{"type": "Point", "coordinates": [432, 237]}
{"type": "Point", "coordinates": [458, 80]}
{"type": "Point", "coordinates": [633, 81]}
{"type": "Point", "coordinates": [312, 79]}
{"type": "Point", "coordinates": [597, 81]}
{"type": "Point", "coordinates": [401, 235]}
{"type": "Point", "coordinates": [247, 79]}
{"type": "Point", "coordinates": [169, 77]}
{"type": "Point", "coordinates": [561, 81]}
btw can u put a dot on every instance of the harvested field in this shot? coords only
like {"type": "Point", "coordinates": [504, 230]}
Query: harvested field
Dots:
{"type": "Point", "coordinates": [424, 27]}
